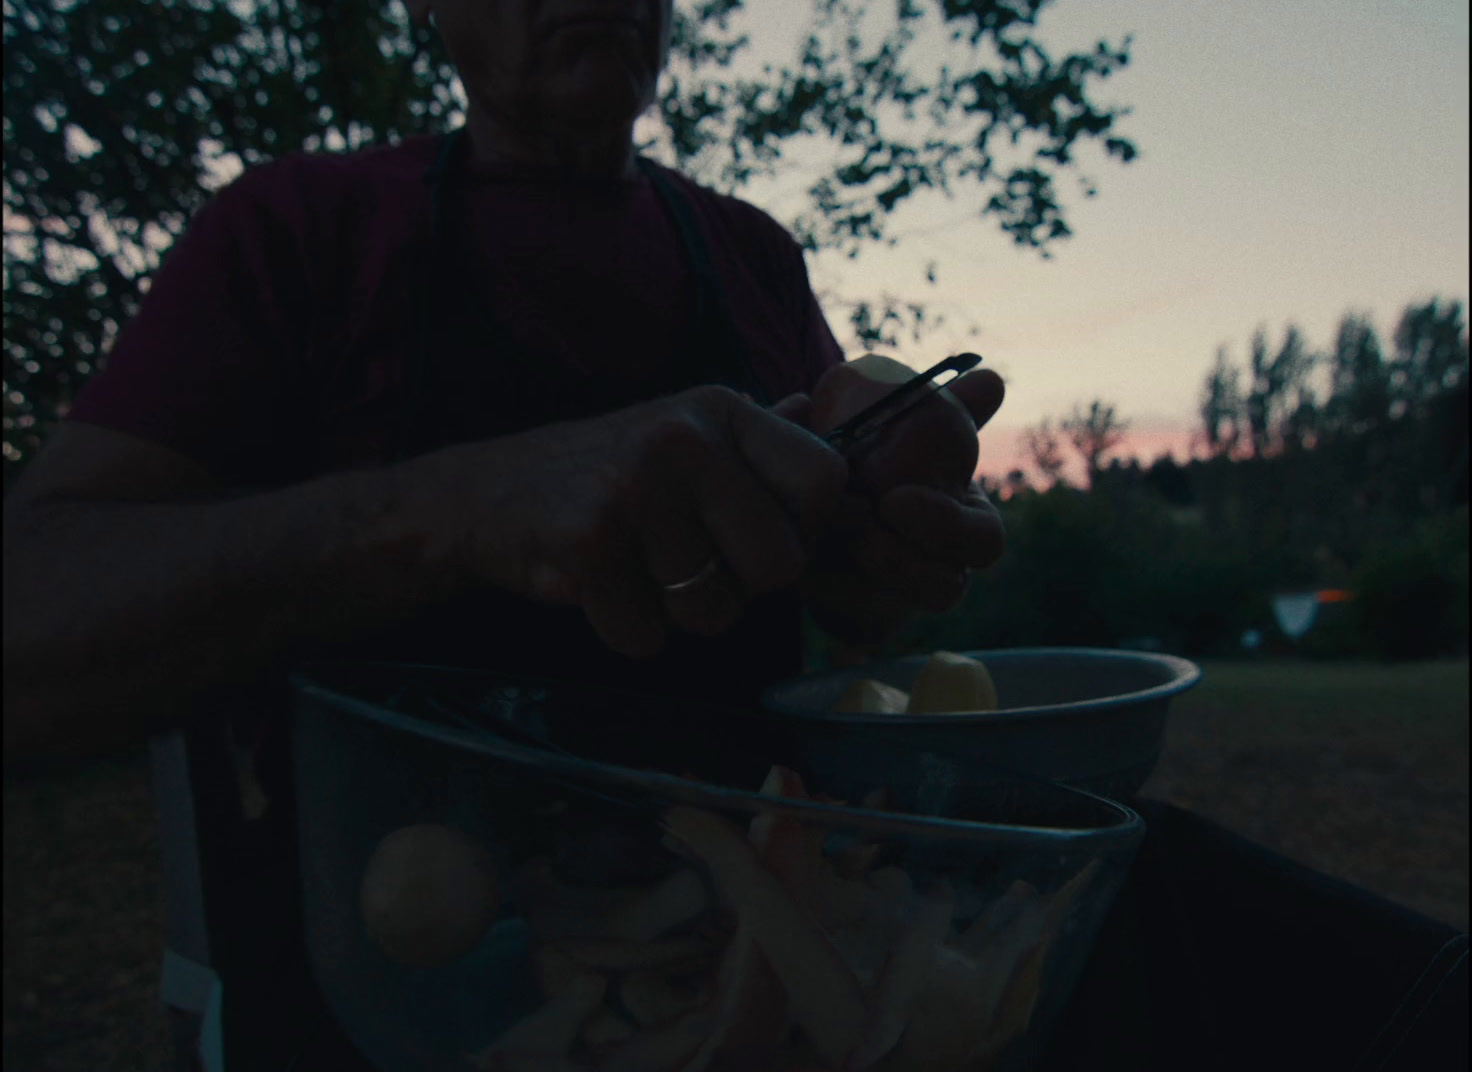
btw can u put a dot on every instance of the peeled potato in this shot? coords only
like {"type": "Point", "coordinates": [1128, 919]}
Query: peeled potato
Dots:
{"type": "Point", "coordinates": [429, 894]}
{"type": "Point", "coordinates": [846, 390]}
{"type": "Point", "coordinates": [869, 697]}
{"type": "Point", "coordinates": [951, 682]}
{"type": "Point", "coordinates": [881, 368]}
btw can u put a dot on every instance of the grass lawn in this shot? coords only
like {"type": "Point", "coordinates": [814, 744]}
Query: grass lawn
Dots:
{"type": "Point", "coordinates": [1359, 770]}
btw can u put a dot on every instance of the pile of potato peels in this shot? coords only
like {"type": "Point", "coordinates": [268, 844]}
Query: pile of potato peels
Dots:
{"type": "Point", "coordinates": [763, 952]}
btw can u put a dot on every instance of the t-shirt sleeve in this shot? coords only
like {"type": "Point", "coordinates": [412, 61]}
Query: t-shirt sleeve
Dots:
{"type": "Point", "coordinates": [211, 365]}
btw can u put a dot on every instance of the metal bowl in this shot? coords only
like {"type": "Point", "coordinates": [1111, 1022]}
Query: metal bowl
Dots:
{"type": "Point", "coordinates": [1087, 717]}
{"type": "Point", "coordinates": [1028, 874]}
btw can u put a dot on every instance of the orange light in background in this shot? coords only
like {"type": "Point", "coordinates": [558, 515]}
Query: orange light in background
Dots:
{"type": "Point", "coordinates": [1335, 595]}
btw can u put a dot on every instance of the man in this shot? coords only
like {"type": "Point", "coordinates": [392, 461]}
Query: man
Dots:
{"type": "Point", "coordinates": [513, 398]}
{"type": "Point", "coordinates": [454, 400]}
{"type": "Point", "coordinates": [569, 459]}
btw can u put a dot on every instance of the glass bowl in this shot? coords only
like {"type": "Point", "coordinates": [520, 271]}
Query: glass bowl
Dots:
{"type": "Point", "coordinates": [1092, 718]}
{"type": "Point", "coordinates": [471, 902]}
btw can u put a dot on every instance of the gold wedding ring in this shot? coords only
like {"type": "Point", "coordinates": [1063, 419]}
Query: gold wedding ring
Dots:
{"type": "Point", "coordinates": [705, 573]}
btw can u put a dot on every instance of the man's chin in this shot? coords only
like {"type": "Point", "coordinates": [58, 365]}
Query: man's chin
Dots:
{"type": "Point", "coordinates": [602, 93]}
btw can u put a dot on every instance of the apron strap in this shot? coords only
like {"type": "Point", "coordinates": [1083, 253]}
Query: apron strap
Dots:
{"type": "Point", "coordinates": [717, 340]}
{"type": "Point", "coordinates": [432, 239]}
{"type": "Point", "coordinates": [714, 314]}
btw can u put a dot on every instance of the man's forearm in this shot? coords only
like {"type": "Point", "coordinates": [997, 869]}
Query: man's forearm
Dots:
{"type": "Point", "coordinates": [118, 614]}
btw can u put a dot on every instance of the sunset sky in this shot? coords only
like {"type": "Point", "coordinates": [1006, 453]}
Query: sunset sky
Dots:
{"type": "Point", "coordinates": [1298, 160]}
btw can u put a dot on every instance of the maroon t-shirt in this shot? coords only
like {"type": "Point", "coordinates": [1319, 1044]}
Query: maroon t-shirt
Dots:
{"type": "Point", "coordinates": [276, 339]}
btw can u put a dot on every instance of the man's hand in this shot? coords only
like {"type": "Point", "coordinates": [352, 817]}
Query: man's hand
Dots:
{"type": "Point", "coordinates": [609, 513]}
{"type": "Point", "coordinates": [912, 523]}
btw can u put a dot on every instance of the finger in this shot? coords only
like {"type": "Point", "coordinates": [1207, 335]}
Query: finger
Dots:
{"type": "Point", "coordinates": [980, 393]}
{"type": "Point", "coordinates": [851, 519]}
{"type": "Point", "coordinates": [937, 587]}
{"type": "Point", "coordinates": [967, 533]}
{"type": "Point", "coordinates": [663, 509]}
{"type": "Point", "coordinates": [795, 408]}
{"type": "Point", "coordinates": [805, 474]}
{"type": "Point", "coordinates": [753, 532]}
{"type": "Point", "coordinates": [893, 567]}
{"type": "Point", "coordinates": [711, 605]}
{"type": "Point", "coordinates": [751, 528]}
{"type": "Point", "coordinates": [619, 599]}
{"type": "Point", "coordinates": [663, 502]}
{"type": "Point", "coordinates": [677, 543]}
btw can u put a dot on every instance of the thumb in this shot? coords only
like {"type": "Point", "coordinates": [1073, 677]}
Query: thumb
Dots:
{"type": "Point", "coordinates": [980, 393]}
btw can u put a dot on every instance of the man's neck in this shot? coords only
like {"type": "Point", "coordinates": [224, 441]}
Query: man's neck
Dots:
{"type": "Point", "coordinates": [588, 155]}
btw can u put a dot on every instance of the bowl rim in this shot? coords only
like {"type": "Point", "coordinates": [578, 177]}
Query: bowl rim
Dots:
{"type": "Point", "coordinates": [1125, 832]}
{"type": "Point", "coordinates": [1186, 674]}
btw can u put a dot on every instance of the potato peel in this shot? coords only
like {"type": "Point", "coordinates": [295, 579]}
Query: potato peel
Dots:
{"type": "Point", "coordinates": [558, 910]}
{"type": "Point", "coordinates": [1014, 1012]}
{"type": "Point", "coordinates": [622, 955]}
{"type": "Point", "coordinates": [826, 1000]}
{"type": "Point", "coordinates": [675, 901]}
{"type": "Point", "coordinates": [660, 1049]}
{"type": "Point", "coordinates": [999, 915]}
{"type": "Point", "coordinates": [605, 1029]}
{"type": "Point", "coordinates": [800, 961]}
{"type": "Point", "coordinates": [794, 853]}
{"type": "Point", "coordinates": [552, 1030]}
{"type": "Point", "coordinates": [751, 1016]}
{"type": "Point", "coordinates": [903, 975]}
{"type": "Point", "coordinates": [855, 862]}
{"type": "Point", "coordinates": [655, 999]}
{"type": "Point", "coordinates": [556, 971]}
{"type": "Point", "coordinates": [949, 1016]}
{"type": "Point", "coordinates": [526, 1061]}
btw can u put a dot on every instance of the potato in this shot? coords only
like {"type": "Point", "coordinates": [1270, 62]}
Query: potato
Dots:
{"type": "Point", "coordinates": [429, 894]}
{"type": "Point", "coordinates": [933, 444]}
{"type": "Point", "coordinates": [951, 682]}
{"type": "Point", "coordinates": [870, 697]}
{"type": "Point", "coordinates": [850, 388]}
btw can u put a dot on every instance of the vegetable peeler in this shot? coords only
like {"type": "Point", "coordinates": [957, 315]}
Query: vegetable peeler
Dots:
{"type": "Point", "coordinates": [870, 421]}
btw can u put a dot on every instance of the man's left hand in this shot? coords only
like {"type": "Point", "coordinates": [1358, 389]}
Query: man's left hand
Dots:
{"type": "Point", "coordinates": [909, 532]}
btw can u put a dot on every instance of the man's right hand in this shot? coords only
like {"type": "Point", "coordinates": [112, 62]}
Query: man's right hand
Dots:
{"type": "Point", "coordinates": [606, 513]}
{"type": "Point", "coordinates": [135, 581]}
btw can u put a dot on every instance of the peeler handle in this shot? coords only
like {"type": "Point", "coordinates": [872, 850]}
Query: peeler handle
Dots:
{"type": "Point", "coordinates": [870, 421]}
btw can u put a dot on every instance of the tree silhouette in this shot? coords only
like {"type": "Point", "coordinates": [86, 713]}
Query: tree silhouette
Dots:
{"type": "Point", "coordinates": [1430, 380]}
{"type": "Point", "coordinates": [1360, 391]}
{"type": "Point", "coordinates": [1094, 433]}
{"type": "Point", "coordinates": [1045, 450]}
{"type": "Point", "coordinates": [1016, 482]}
{"type": "Point", "coordinates": [1221, 408]}
{"type": "Point", "coordinates": [1279, 398]}
{"type": "Point", "coordinates": [121, 117]}
{"type": "Point", "coordinates": [1430, 352]}
{"type": "Point", "coordinates": [1170, 481]}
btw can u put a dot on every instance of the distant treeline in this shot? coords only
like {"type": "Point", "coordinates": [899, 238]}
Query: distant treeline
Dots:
{"type": "Point", "coordinates": [1340, 469]}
